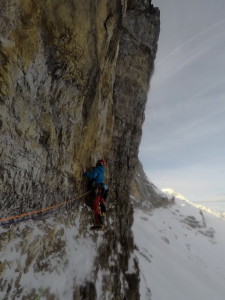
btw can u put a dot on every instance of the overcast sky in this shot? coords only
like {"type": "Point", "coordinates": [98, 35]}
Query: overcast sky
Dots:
{"type": "Point", "coordinates": [183, 144]}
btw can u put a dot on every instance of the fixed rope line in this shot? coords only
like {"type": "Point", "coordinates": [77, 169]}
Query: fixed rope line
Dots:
{"type": "Point", "coordinates": [27, 219]}
{"type": "Point", "coordinates": [44, 209]}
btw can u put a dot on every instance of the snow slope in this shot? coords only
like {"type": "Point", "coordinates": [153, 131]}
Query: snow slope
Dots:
{"type": "Point", "coordinates": [47, 258]}
{"type": "Point", "coordinates": [181, 253]}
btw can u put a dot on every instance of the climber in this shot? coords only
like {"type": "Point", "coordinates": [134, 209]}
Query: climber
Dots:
{"type": "Point", "coordinates": [99, 191]}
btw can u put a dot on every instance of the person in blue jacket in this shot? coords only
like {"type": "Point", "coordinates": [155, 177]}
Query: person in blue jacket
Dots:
{"type": "Point", "coordinates": [97, 177]}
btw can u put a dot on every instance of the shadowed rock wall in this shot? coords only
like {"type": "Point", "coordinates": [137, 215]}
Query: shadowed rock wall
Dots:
{"type": "Point", "coordinates": [137, 50]}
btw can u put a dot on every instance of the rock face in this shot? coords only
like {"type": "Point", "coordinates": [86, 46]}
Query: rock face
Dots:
{"type": "Point", "coordinates": [145, 194]}
{"type": "Point", "coordinates": [74, 77]}
{"type": "Point", "coordinates": [58, 67]}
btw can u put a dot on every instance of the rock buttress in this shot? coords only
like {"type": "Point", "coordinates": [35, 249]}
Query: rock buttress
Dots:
{"type": "Point", "coordinates": [135, 64]}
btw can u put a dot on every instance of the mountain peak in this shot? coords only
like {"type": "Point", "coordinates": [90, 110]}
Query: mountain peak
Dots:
{"type": "Point", "coordinates": [172, 192]}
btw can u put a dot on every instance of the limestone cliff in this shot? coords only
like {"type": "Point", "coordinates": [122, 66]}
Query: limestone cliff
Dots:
{"type": "Point", "coordinates": [74, 77]}
{"type": "Point", "coordinates": [144, 194]}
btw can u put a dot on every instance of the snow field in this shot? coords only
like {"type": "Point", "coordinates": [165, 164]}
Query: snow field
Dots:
{"type": "Point", "coordinates": [180, 253]}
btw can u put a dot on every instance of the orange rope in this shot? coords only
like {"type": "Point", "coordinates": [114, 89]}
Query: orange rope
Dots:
{"type": "Point", "coordinates": [44, 209]}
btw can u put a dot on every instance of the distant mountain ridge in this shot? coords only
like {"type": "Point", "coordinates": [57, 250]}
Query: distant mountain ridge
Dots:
{"type": "Point", "coordinates": [171, 192]}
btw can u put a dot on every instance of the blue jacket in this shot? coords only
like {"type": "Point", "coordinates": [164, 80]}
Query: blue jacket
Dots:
{"type": "Point", "coordinates": [97, 175]}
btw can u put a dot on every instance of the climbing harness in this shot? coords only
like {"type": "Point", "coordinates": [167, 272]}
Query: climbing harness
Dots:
{"type": "Point", "coordinates": [38, 211]}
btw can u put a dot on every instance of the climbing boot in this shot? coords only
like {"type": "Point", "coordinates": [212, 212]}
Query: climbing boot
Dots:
{"type": "Point", "coordinates": [103, 208]}
{"type": "Point", "coordinates": [100, 220]}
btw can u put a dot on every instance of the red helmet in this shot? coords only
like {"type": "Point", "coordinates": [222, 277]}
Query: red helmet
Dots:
{"type": "Point", "coordinates": [101, 162]}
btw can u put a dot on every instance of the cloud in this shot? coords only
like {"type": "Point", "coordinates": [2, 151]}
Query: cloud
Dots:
{"type": "Point", "coordinates": [187, 132]}
{"type": "Point", "coordinates": [213, 86]}
{"type": "Point", "coordinates": [216, 198]}
{"type": "Point", "coordinates": [187, 54]}
{"type": "Point", "coordinates": [194, 39]}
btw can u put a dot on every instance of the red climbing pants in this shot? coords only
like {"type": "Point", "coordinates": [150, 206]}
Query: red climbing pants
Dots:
{"type": "Point", "coordinates": [95, 205]}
